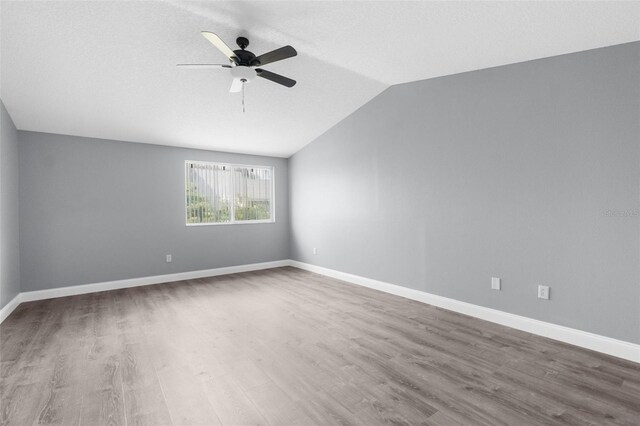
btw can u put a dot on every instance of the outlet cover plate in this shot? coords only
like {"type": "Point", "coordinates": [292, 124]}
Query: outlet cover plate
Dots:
{"type": "Point", "coordinates": [495, 283]}
{"type": "Point", "coordinates": [544, 292]}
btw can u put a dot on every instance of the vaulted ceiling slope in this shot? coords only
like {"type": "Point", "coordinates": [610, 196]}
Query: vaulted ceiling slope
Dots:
{"type": "Point", "coordinates": [107, 69]}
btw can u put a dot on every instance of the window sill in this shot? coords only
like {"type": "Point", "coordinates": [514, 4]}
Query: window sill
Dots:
{"type": "Point", "coordinates": [243, 222]}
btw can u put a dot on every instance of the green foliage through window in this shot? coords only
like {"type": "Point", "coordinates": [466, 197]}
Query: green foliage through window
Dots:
{"type": "Point", "coordinates": [200, 210]}
{"type": "Point", "coordinates": [252, 210]}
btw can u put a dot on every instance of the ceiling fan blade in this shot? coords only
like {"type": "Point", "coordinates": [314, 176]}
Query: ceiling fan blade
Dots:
{"type": "Point", "coordinates": [236, 85]}
{"type": "Point", "coordinates": [221, 45]}
{"type": "Point", "coordinates": [203, 66]}
{"type": "Point", "coordinates": [276, 78]}
{"type": "Point", "coordinates": [277, 55]}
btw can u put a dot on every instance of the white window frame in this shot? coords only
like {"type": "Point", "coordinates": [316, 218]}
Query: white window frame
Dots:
{"type": "Point", "coordinates": [232, 205]}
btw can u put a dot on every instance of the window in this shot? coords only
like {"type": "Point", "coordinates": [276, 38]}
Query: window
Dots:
{"type": "Point", "coordinates": [225, 193]}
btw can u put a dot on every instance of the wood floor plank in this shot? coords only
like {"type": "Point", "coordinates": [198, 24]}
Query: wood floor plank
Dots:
{"type": "Point", "coordinates": [31, 372]}
{"type": "Point", "coordinates": [276, 406]}
{"type": "Point", "coordinates": [168, 336]}
{"type": "Point", "coordinates": [143, 398]}
{"type": "Point", "coordinates": [289, 347]}
{"type": "Point", "coordinates": [61, 401]}
{"type": "Point", "coordinates": [102, 395]}
{"type": "Point", "coordinates": [231, 404]}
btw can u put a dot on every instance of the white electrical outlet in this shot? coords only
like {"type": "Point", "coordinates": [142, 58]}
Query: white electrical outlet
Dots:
{"type": "Point", "coordinates": [315, 250]}
{"type": "Point", "coordinates": [543, 292]}
{"type": "Point", "coordinates": [495, 283]}
{"type": "Point", "coordinates": [168, 258]}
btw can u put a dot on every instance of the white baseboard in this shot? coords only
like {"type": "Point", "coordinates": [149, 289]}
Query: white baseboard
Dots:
{"type": "Point", "coordinates": [607, 345]}
{"type": "Point", "coordinates": [9, 307]}
{"type": "Point", "coordinates": [29, 296]}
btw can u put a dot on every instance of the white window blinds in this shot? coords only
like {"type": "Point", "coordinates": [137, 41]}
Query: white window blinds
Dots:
{"type": "Point", "coordinates": [223, 193]}
{"type": "Point", "coordinates": [252, 190]}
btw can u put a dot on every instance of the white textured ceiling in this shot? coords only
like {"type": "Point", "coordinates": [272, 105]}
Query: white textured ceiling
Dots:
{"type": "Point", "coordinates": [107, 69]}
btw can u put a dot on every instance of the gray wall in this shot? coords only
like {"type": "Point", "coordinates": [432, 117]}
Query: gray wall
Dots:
{"type": "Point", "coordinates": [9, 241]}
{"type": "Point", "coordinates": [94, 210]}
{"type": "Point", "coordinates": [529, 172]}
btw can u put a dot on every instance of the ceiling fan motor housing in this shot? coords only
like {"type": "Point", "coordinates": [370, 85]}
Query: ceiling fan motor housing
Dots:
{"type": "Point", "coordinates": [246, 58]}
{"type": "Point", "coordinates": [242, 72]}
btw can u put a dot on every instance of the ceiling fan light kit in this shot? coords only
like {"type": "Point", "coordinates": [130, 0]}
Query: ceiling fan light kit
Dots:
{"type": "Point", "coordinates": [243, 75]}
{"type": "Point", "coordinates": [243, 63]}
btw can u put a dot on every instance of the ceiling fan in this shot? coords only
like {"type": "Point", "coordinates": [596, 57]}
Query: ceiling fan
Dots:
{"type": "Point", "coordinates": [242, 62]}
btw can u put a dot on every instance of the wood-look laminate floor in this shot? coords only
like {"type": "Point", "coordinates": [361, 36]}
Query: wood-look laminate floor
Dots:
{"type": "Point", "coordinates": [287, 347]}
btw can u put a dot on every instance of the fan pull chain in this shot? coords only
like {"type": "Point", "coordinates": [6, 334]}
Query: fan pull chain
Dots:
{"type": "Point", "coordinates": [243, 83]}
